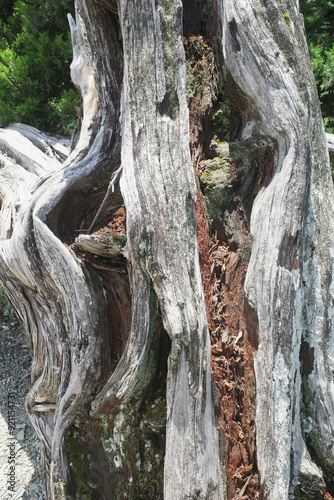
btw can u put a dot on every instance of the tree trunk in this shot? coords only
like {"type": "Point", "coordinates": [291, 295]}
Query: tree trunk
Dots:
{"type": "Point", "coordinates": [120, 308]}
{"type": "Point", "coordinates": [289, 279]}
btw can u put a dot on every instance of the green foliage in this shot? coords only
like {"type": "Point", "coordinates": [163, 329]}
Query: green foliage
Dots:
{"type": "Point", "coordinates": [221, 117]}
{"type": "Point", "coordinates": [319, 25]}
{"type": "Point", "coordinates": [68, 109]}
{"type": "Point", "coordinates": [35, 56]}
{"type": "Point", "coordinates": [5, 307]}
{"type": "Point", "coordinates": [6, 9]}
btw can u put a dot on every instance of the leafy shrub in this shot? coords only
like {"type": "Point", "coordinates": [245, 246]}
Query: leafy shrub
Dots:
{"type": "Point", "coordinates": [68, 109]}
{"type": "Point", "coordinates": [319, 25]}
{"type": "Point", "coordinates": [35, 57]}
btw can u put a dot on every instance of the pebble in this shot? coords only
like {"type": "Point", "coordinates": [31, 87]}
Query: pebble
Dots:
{"type": "Point", "coordinates": [23, 445]}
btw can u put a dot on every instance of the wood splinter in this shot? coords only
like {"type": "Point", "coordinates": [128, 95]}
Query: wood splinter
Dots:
{"type": "Point", "coordinates": [111, 189]}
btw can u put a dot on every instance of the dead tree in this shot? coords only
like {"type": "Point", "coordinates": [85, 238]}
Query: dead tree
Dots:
{"type": "Point", "coordinates": [117, 317]}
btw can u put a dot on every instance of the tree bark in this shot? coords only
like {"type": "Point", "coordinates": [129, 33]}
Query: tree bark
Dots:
{"type": "Point", "coordinates": [117, 317]}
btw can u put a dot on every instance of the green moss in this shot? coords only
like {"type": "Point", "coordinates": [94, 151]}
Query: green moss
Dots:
{"type": "Point", "coordinates": [223, 176]}
{"type": "Point", "coordinates": [122, 452]}
{"type": "Point", "coordinates": [243, 154]}
{"type": "Point", "coordinates": [310, 487]}
{"type": "Point", "coordinates": [5, 307]}
{"type": "Point", "coordinates": [306, 404]}
{"type": "Point", "coordinates": [198, 67]}
{"type": "Point", "coordinates": [288, 21]}
{"type": "Point", "coordinates": [114, 241]}
{"type": "Point", "coordinates": [215, 180]}
{"type": "Point", "coordinates": [331, 160]}
{"type": "Point", "coordinates": [78, 461]}
{"type": "Point", "coordinates": [222, 121]}
{"type": "Point", "coordinates": [321, 456]}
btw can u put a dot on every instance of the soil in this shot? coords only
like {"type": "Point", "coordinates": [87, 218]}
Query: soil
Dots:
{"type": "Point", "coordinates": [20, 457]}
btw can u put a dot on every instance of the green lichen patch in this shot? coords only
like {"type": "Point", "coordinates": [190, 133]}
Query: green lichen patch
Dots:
{"type": "Point", "coordinates": [232, 177]}
{"type": "Point", "coordinates": [310, 487]}
{"type": "Point", "coordinates": [288, 21]}
{"type": "Point", "coordinates": [199, 66]}
{"type": "Point", "coordinates": [216, 180]}
{"type": "Point", "coordinates": [287, 17]}
{"type": "Point", "coordinates": [115, 241]}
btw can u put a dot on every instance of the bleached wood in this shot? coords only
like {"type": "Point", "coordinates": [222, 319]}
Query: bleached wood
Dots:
{"type": "Point", "coordinates": [46, 283]}
{"type": "Point", "coordinates": [96, 246]}
{"type": "Point", "coordinates": [158, 187]}
{"type": "Point", "coordinates": [289, 281]}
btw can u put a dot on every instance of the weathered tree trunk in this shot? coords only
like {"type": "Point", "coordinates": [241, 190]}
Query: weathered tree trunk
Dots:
{"type": "Point", "coordinates": [289, 280]}
{"type": "Point", "coordinates": [117, 319]}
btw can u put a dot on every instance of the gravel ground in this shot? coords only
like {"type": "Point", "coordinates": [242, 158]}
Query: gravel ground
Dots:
{"type": "Point", "coordinates": [20, 459]}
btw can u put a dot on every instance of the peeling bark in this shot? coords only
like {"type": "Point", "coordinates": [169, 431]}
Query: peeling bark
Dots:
{"type": "Point", "coordinates": [112, 298]}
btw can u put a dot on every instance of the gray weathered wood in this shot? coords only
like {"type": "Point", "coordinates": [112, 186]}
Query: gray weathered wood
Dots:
{"type": "Point", "coordinates": [50, 287]}
{"type": "Point", "coordinates": [289, 281]}
{"type": "Point", "coordinates": [46, 283]}
{"type": "Point", "coordinates": [159, 191]}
